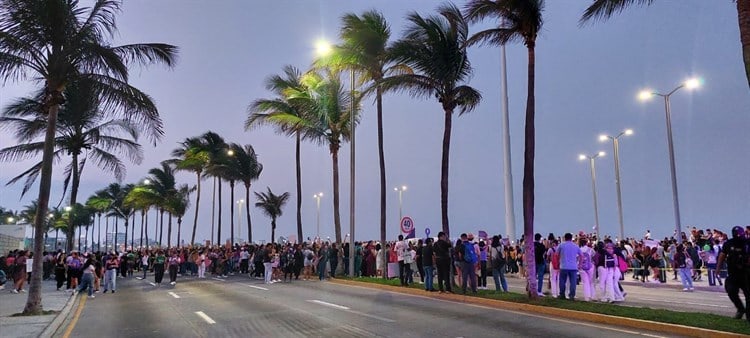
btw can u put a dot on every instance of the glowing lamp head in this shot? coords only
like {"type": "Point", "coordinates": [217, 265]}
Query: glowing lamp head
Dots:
{"type": "Point", "coordinates": [644, 95]}
{"type": "Point", "coordinates": [10, 219]}
{"type": "Point", "coordinates": [146, 181]}
{"type": "Point", "coordinates": [582, 157]}
{"type": "Point", "coordinates": [230, 152]}
{"type": "Point", "coordinates": [68, 208]}
{"type": "Point", "coordinates": [693, 83]}
{"type": "Point", "coordinates": [603, 137]}
{"type": "Point", "coordinates": [628, 131]}
{"type": "Point", "coordinates": [323, 47]}
{"type": "Point", "coordinates": [601, 153]}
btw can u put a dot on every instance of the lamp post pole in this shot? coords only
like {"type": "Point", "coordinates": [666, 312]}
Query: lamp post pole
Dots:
{"type": "Point", "coordinates": [616, 149]}
{"type": "Point", "coordinates": [592, 164]}
{"type": "Point", "coordinates": [400, 191]}
{"type": "Point", "coordinates": [646, 94]}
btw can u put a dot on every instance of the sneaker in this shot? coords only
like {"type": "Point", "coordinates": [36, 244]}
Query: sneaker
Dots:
{"type": "Point", "coordinates": [173, 283]}
{"type": "Point", "coordinates": [22, 291]}
{"type": "Point", "coordinates": [540, 294]}
{"type": "Point", "coordinates": [685, 289]}
{"type": "Point", "coordinates": [105, 291]}
{"type": "Point", "coordinates": [92, 296]}
{"type": "Point", "coordinates": [691, 289]}
{"type": "Point", "coordinates": [738, 315]}
{"type": "Point", "coordinates": [113, 291]}
{"type": "Point", "coordinates": [14, 291]}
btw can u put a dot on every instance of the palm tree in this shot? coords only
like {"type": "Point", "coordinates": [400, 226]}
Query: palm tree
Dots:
{"type": "Point", "coordinates": [520, 20]}
{"type": "Point", "coordinates": [271, 206]}
{"type": "Point", "coordinates": [435, 48]}
{"type": "Point", "coordinates": [99, 203]}
{"type": "Point", "coordinates": [365, 50]}
{"type": "Point", "coordinates": [116, 193]}
{"type": "Point", "coordinates": [191, 156]}
{"type": "Point", "coordinates": [216, 148]}
{"type": "Point", "coordinates": [605, 9]}
{"type": "Point", "coordinates": [74, 46]}
{"type": "Point", "coordinates": [287, 117]}
{"type": "Point", "coordinates": [161, 185]}
{"type": "Point", "coordinates": [142, 197]}
{"type": "Point", "coordinates": [327, 105]}
{"type": "Point", "coordinates": [177, 205]}
{"type": "Point", "coordinates": [247, 169]}
{"type": "Point", "coordinates": [84, 132]}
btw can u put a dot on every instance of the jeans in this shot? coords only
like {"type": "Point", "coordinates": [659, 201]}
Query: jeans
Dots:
{"type": "Point", "coordinates": [402, 275]}
{"type": "Point", "coordinates": [334, 265]}
{"type": "Point", "coordinates": [712, 274]}
{"type": "Point", "coordinates": [483, 274]}
{"type": "Point", "coordinates": [173, 273]}
{"type": "Point", "coordinates": [267, 272]}
{"type": "Point", "coordinates": [110, 279]}
{"type": "Point", "coordinates": [540, 267]}
{"type": "Point", "coordinates": [570, 276]}
{"type": "Point", "coordinates": [87, 282]}
{"type": "Point", "coordinates": [686, 278]}
{"type": "Point", "coordinates": [443, 273]}
{"type": "Point", "coordinates": [468, 276]}
{"type": "Point", "coordinates": [428, 277]}
{"type": "Point", "coordinates": [499, 276]}
{"type": "Point", "coordinates": [322, 269]}
{"type": "Point", "coordinates": [145, 269]}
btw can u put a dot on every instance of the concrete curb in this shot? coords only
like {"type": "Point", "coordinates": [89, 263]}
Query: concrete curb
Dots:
{"type": "Point", "coordinates": [687, 331]}
{"type": "Point", "coordinates": [54, 326]}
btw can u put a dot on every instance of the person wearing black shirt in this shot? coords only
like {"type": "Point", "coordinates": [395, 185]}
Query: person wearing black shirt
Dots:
{"type": "Point", "coordinates": [427, 262]}
{"type": "Point", "coordinates": [442, 250]}
{"type": "Point", "coordinates": [734, 253]}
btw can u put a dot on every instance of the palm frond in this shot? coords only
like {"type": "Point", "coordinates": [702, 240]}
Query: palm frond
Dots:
{"type": "Point", "coordinates": [601, 10]}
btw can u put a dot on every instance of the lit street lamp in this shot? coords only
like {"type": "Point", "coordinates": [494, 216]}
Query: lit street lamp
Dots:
{"type": "Point", "coordinates": [317, 197]}
{"type": "Point", "coordinates": [647, 94]}
{"type": "Point", "coordinates": [616, 146]}
{"type": "Point", "coordinates": [400, 191]}
{"type": "Point", "coordinates": [592, 159]}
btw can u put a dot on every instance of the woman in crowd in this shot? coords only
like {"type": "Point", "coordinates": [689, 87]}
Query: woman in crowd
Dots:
{"type": "Point", "coordinates": [498, 259]}
{"type": "Point", "coordinates": [60, 269]}
{"type": "Point", "coordinates": [159, 265]}
{"type": "Point", "coordinates": [87, 276]}
{"type": "Point", "coordinates": [174, 264]}
{"type": "Point", "coordinates": [683, 264]}
{"type": "Point", "coordinates": [110, 278]}
{"type": "Point", "coordinates": [19, 272]}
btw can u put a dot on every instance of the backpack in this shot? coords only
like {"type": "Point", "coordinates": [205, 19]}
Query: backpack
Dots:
{"type": "Point", "coordinates": [555, 259]}
{"type": "Point", "coordinates": [75, 263]}
{"type": "Point", "coordinates": [310, 255]}
{"type": "Point", "coordinates": [623, 264]}
{"type": "Point", "coordinates": [289, 259]}
{"type": "Point", "coordinates": [498, 260]}
{"type": "Point", "coordinates": [469, 255]}
{"type": "Point", "coordinates": [585, 263]}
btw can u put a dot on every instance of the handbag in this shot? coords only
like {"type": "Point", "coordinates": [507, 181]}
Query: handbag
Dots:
{"type": "Point", "coordinates": [622, 264]}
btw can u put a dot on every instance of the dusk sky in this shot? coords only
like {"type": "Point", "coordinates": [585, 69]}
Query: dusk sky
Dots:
{"type": "Point", "coordinates": [587, 81]}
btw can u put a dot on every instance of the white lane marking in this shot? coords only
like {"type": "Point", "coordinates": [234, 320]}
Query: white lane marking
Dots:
{"type": "Point", "coordinates": [340, 307]}
{"type": "Point", "coordinates": [344, 308]}
{"type": "Point", "coordinates": [205, 317]}
{"type": "Point", "coordinates": [258, 287]}
{"type": "Point", "coordinates": [152, 284]}
{"type": "Point", "coordinates": [674, 302]}
{"type": "Point", "coordinates": [173, 294]}
{"type": "Point", "coordinates": [219, 279]}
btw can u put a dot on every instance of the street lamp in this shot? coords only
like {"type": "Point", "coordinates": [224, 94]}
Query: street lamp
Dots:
{"type": "Point", "coordinates": [400, 191]}
{"type": "Point", "coordinates": [591, 159]}
{"type": "Point", "coordinates": [147, 181]}
{"type": "Point", "coordinates": [692, 83]}
{"type": "Point", "coordinates": [317, 197]}
{"type": "Point", "coordinates": [239, 216]}
{"type": "Point", "coordinates": [616, 146]}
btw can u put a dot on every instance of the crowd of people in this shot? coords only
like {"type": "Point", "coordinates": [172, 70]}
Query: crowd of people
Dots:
{"type": "Point", "coordinates": [562, 263]}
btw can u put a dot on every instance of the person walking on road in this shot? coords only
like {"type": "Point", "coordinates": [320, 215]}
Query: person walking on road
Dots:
{"type": "Point", "coordinates": [159, 262]}
{"type": "Point", "coordinates": [735, 253]}
{"type": "Point", "coordinates": [87, 277]}
{"type": "Point", "coordinates": [144, 262]}
{"type": "Point", "coordinates": [174, 264]}
{"type": "Point", "coordinates": [569, 254]}
{"type": "Point", "coordinates": [110, 277]}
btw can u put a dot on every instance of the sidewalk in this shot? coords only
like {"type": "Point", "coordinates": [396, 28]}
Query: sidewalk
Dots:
{"type": "Point", "coordinates": [700, 285]}
{"type": "Point", "coordinates": [29, 326]}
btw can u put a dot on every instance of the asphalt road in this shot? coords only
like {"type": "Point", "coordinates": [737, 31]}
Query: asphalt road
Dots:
{"type": "Point", "coordinates": [242, 307]}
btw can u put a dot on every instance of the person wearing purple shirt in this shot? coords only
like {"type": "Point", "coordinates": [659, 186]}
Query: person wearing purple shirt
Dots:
{"type": "Point", "coordinates": [569, 253]}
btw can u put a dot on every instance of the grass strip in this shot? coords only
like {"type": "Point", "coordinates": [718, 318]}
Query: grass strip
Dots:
{"type": "Point", "coordinates": [693, 319]}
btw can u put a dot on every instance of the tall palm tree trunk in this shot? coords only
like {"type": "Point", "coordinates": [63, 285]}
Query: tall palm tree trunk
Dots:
{"type": "Point", "coordinates": [156, 227]}
{"type": "Point", "coordinates": [528, 179]}
{"type": "Point", "coordinates": [57, 238]}
{"type": "Point", "coordinates": [299, 191]}
{"type": "Point", "coordinates": [114, 235]}
{"type": "Point", "coordinates": [34, 301]}
{"type": "Point", "coordinates": [381, 155]}
{"type": "Point", "coordinates": [218, 219]}
{"type": "Point", "coordinates": [161, 226]}
{"type": "Point", "coordinates": [179, 230]}
{"type": "Point", "coordinates": [132, 232]}
{"type": "Point", "coordinates": [444, 169]}
{"type": "Point", "coordinates": [197, 204]}
{"type": "Point", "coordinates": [85, 238]}
{"type": "Point", "coordinates": [247, 212]}
{"type": "Point", "coordinates": [273, 229]}
{"type": "Point", "coordinates": [143, 222]}
{"type": "Point", "coordinates": [106, 231]}
{"type": "Point", "coordinates": [231, 212]}
{"type": "Point", "coordinates": [336, 214]}
{"type": "Point", "coordinates": [75, 181]}
{"type": "Point", "coordinates": [743, 16]}
{"type": "Point", "coordinates": [99, 231]}
{"type": "Point", "coordinates": [169, 231]}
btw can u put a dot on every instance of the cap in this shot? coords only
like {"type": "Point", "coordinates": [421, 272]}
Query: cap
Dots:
{"type": "Point", "coordinates": [470, 236]}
